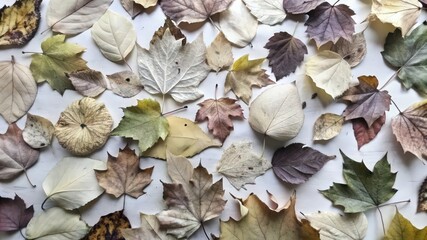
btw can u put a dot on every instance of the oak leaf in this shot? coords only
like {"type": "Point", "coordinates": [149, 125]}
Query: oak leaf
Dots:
{"type": "Point", "coordinates": [269, 12]}
{"type": "Point", "coordinates": [150, 229]}
{"type": "Point", "coordinates": [402, 228]}
{"type": "Point", "coordinates": [109, 227]}
{"type": "Point", "coordinates": [219, 54]}
{"type": "Point", "coordinates": [38, 131]}
{"type": "Point", "coordinates": [14, 215]}
{"type": "Point", "coordinates": [123, 175]}
{"type": "Point", "coordinates": [365, 134]}
{"type": "Point", "coordinates": [327, 126]}
{"type": "Point", "coordinates": [422, 197]}
{"type": "Point", "coordinates": [353, 51]}
{"type": "Point", "coordinates": [299, 7]}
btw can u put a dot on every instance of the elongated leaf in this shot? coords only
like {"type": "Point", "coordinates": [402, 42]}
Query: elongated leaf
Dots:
{"type": "Point", "coordinates": [327, 126]}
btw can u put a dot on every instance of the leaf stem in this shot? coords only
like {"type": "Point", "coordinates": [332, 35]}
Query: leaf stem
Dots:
{"type": "Point", "coordinates": [136, 15]}
{"type": "Point", "coordinates": [24, 52]}
{"type": "Point", "coordinates": [263, 147]}
{"type": "Point", "coordinates": [174, 111]}
{"type": "Point", "coordinates": [22, 234]}
{"type": "Point", "coordinates": [216, 91]}
{"type": "Point", "coordinates": [127, 64]}
{"type": "Point", "coordinates": [382, 219]}
{"type": "Point", "coordinates": [124, 201]}
{"type": "Point", "coordinates": [163, 103]}
{"type": "Point", "coordinates": [394, 203]}
{"type": "Point", "coordinates": [391, 78]}
{"type": "Point", "coordinates": [214, 24]}
{"type": "Point", "coordinates": [204, 231]}
{"type": "Point", "coordinates": [45, 200]}
{"type": "Point", "coordinates": [28, 178]}
{"type": "Point", "coordinates": [335, 3]}
{"type": "Point", "coordinates": [295, 28]}
{"type": "Point", "coordinates": [398, 109]}
{"type": "Point", "coordinates": [47, 29]}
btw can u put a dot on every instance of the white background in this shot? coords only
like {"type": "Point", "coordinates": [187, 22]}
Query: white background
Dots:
{"type": "Point", "coordinates": [49, 104]}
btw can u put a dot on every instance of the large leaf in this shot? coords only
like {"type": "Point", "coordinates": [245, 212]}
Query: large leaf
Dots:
{"type": "Point", "coordinates": [75, 16]}
{"type": "Point", "coordinates": [19, 22]}
{"type": "Point", "coordinates": [298, 6]}
{"type": "Point", "coordinates": [364, 189]}
{"type": "Point", "coordinates": [150, 229]}
{"type": "Point", "coordinates": [402, 228]}
{"type": "Point", "coordinates": [269, 12]}
{"type": "Point", "coordinates": [109, 227]}
{"type": "Point", "coordinates": [409, 55]}
{"type": "Point", "coordinates": [18, 90]}
{"type": "Point", "coordinates": [14, 215]}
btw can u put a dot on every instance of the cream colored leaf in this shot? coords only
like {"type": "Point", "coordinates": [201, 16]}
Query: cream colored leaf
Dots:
{"type": "Point", "coordinates": [330, 72]}
{"type": "Point", "coordinates": [125, 84]}
{"type": "Point", "coordinates": [277, 112]}
{"type": "Point", "coordinates": [241, 165]}
{"type": "Point", "coordinates": [72, 182]}
{"type": "Point", "coordinates": [38, 131]}
{"type": "Point", "coordinates": [56, 224]}
{"type": "Point", "coordinates": [114, 35]}
{"type": "Point", "coordinates": [238, 24]}
{"type": "Point", "coordinates": [18, 90]}
{"type": "Point", "coordinates": [146, 3]}
{"type": "Point", "coordinates": [327, 126]}
{"type": "Point", "coordinates": [219, 54]}
{"type": "Point", "coordinates": [269, 12]}
{"type": "Point", "coordinates": [89, 83]}
{"type": "Point", "coordinates": [74, 16]}
{"type": "Point", "coordinates": [179, 168]}
{"type": "Point", "coordinates": [185, 138]}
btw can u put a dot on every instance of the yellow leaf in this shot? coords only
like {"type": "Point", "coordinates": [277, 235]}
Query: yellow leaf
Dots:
{"type": "Point", "coordinates": [402, 228]}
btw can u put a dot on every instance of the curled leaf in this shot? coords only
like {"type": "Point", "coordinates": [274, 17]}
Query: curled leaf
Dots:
{"type": "Point", "coordinates": [38, 131]}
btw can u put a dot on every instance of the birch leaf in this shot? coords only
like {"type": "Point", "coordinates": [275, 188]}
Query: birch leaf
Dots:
{"type": "Point", "coordinates": [125, 84]}
{"type": "Point", "coordinates": [75, 16]}
{"type": "Point", "coordinates": [219, 54]}
{"type": "Point", "coordinates": [72, 183]}
{"type": "Point", "coordinates": [277, 112]}
{"type": "Point", "coordinates": [14, 215]}
{"type": "Point", "coordinates": [300, 7]}
{"type": "Point", "coordinates": [150, 229]}
{"type": "Point", "coordinates": [327, 126]}
{"type": "Point", "coordinates": [353, 51]}
{"type": "Point", "coordinates": [114, 35]}
{"type": "Point", "coordinates": [402, 228]}
{"type": "Point", "coordinates": [131, 7]}
{"type": "Point", "coordinates": [109, 226]}
{"type": "Point", "coordinates": [19, 90]}
{"type": "Point", "coordinates": [269, 12]}
{"type": "Point", "coordinates": [241, 165]}
{"type": "Point", "coordinates": [56, 224]}
{"type": "Point", "coordinates": [330, 72]}
{"type": "Point", "coordinates": [185, 138]}
{"type": "Point", "coordinates": [38, 131]}
{"type": "Point", "coordinates": [146, 3]}
{"type": "Point", "coordinates": [238, 24]}
{"type": "Point", "coordinates": [88, 82]}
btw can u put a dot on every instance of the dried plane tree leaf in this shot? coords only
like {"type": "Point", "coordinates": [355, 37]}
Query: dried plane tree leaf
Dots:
{"type": "Point", "coordinates": [150, 229]}
{"type": "Point", "coordinates": [243, 75]}
{"type": "Point", "coordinates": [18, 90]}
{"type": "Point", "coordinates": [353, 51]}
{"type": "Point", "coordinates": [277, 112]}
{"type": "Point", "coordinates": [123, 175]}
{"type": "Point", "coordinates": [109, 226]}
{"type": "Point", "coordinates": [185, 138]}
{"type": "Point", "coordinates": [269, 12]}
{"type": "Point", "coordinates": [327, 126]}
{"type": "Point", "coordinates": [14, 215]}
{"type": "Point", "coordinates": [298, 7]}
{"type": "Point", "coordinates": [131, 7]}
{"type": "Point", "coordinates": [241, 165]}
{"type": "Point", "coordinates": [125, 84]}
{"type": "Point", "coordinates": [365, 134]}
{"type": "Point", "coordinates": [84, 126]}
{"type": "Point", "coordinates": [19, 22]}
{"type": "Point", "coordinates": [422, 197]}
{"type": "Point", "coordinates": [402, 228]}
{"type": "Point", "coordinates": [38, 131]}
{"type": "Point", "coordinates": [219, 55]}
{"type": "Point", "coordinates": [74, 16]}
{"type": "Point", "coordinates": [88, 82]}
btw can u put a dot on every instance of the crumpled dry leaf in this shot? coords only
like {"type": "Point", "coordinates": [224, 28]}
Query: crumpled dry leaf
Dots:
{"type": "Point", "coordinates": [38, 131]}
{"type": "Point", "coordinates": [241, 165]}
{"type": "Point", "coordinates": [269, 12]}
{"type": "Point", "coordinates": [150, 229]}
{"type": "Point", "coordinates": [422, 197]}
{"type": "Point", "coordinates": [402, 228]}
{"type": "Point", "coordinates": [352, 51]}
{"type": "Point", "coordinates": [327, 126]}
{"type": "Point", "coordinates": [84, 126]}
{"type": "Point", "coordinates": [19, 22]}
{"type": "Point", "coordinates": [219, 54]}
{"type": "Point", "coordinates": [299, 7]}
{"type": "Point", "coordinates": [109, 226]}
{"type": "Point", "coordinates": [125, 84]}
{"type": "Point", "coordinates": [365, 134]}
{"type": "Point", "coordinates": [88, 82]}
{"type": "Point", "coordinates": [14, 215]}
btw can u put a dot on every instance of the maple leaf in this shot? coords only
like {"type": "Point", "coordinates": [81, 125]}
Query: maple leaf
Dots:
{"type": "Point", "coordinates": [364, 189]}
{"type": "Point", "coordinates": [123, 175]}
{"type": "Point", "coordinates": [327, 126]}
{"type": "Point", "coordinates": [422, 197]}
{"type": "Point", "coordinates": [58, 59]}
{"type": "Point", "coordinates": [367, 101]}
{"type": "Point", "coordinates": [402, 228]}
{"type": "Point", "coordinates": [109, 227]}
{"type": "Point", "coordinates": [365, 134]}
{"type": "Point", "coordinates": [19, 22]}
{"type": "Point", "coordinates": [353, 51]}
{"type": "Point", "coordinates": [330, 23]}
{"type": "Point", "coordinates": [150, 229]}
{"type": "Point", "coordinates": [263, 223]}
{"type": "Point", "coordinates": [286, 54]}
{"type": "Point", "coordinates": [192, 11]}
{"type": "Point", "coordinates": [244, 74]}
{"type": "Point", "coordinates": [144, 123]}
{"type": "Point", "coordinates": [192, 198]}
{"type": "Point", "coordinates": [298, 7]}
{"type": "Point", "coordinates": [219, 54]}
{"type": "Point", "coordinates": [14, 215]}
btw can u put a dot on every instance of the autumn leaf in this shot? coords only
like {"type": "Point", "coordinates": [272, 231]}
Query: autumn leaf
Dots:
{"type": "Point", "coordinates": [14, 215]}
{"type": "Point", "coordinates": [296, 163]}
{"type": "Point", "coordinates": [88, 82]}
{"type": "Point", "coordinates": [365, 134]}
{"type": "Point", "coordinates": [192, 198]}
{"type": "Point", "coordinates": [144, 123]}
{"type": "Point", "coordinates": [131, 7]}
{"type": "Point", "coordinates": [366, 101]}
{"type": "Point", "coordinates": [364, 189]}
{"type": "Point", "coordinates": [125, 84]}
{"type": "Point", "coordinates": [123, 175]}
{"type": "Point", "coordinates": [327, 126]}
{"type": "Point", "coordinates": [147, 3]}
{"type": "Point", "coordinates": [19, 22]}
{"type": "Point", "coordinates": [243, 75]}
{"type": "Point", "coordinates": [422, 197]}
{"type": "Point", "coordinates": [298, 7]}
{"type": "Point", "coordinates": [150, 229]}
{"type": "Point", "coordinates": [402, 228]}
{"type": "Point", "coordinates": [38, 131]}
{"type": "Point", "coordinates": [407, 55]}
{"type": "Point", "coordinates": [353, 51]}
{"type": "Point", "coordinates": [410, 131]}
{"type": "Point", "coordinates": [109, 227]}
{"type": "Point", "coordinates": [263, 223]}
{"type": "Point", "coordinates": [58, 59]}
{"type": "Point", "coordinates": [286, 54]}
{"type": "Point", "coordinates": [269, 12]}
{"type": "Point", "coordinates": [219, 54]}
{"type": "Point", "coordinates": [174, 30]}
{"type": "Point", "coordinates": [329, 23]}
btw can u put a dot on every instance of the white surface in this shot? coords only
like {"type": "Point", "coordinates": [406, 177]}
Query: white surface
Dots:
{"type": "Point", "coordinates": [411, 172]}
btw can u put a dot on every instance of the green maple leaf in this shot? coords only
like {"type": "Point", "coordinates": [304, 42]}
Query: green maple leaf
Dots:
{"type": "Point", "coordinates": [58, 59]}
{"type": "Point", "coordinates": [409, 56]}
{"type": "Point", "coordinates": [144, 123]}
{"type": "Point", "coordinates": [364, 189]}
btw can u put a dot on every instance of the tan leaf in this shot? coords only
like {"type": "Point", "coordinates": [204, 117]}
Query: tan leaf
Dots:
{"type": "Point", "coordinates": [219, 54]}
{"type": "Point", "coordinates": [327, 126]}
{"type": "Point", "coordinates": [133, 8]}
{"type": "Point", "coordinates": [38, 131]}
{"type": "Point", "coordinates": [125, 84]}
{"type": "Point", "coordinates": [109, 227]}
{"type": "Point", "coordinates": [150, 229]}
{"type": "Point", "coordinates": [352, 51]}
{"type": "Point", "coordinates": [146, 3]}
{"type": "Point", "coordinates": [88, 82]}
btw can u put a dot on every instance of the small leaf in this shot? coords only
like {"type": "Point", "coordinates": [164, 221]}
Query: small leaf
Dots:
{"type": "Point", "coordinates": [109, 227]}
{"type": "Point", "coordinates": [422, 197]}
{"type": "Point", "coordinates": [219, 54]}
{"type": "Point", "coordinates": [14, 215]}
{"type": "Point", "coordinates": [132, 7]}
{"type": "Point", "coordinates": [353, 51]}
{"type": "Point", "coordinates": [327, 126]}
{"type": "Point", "coordinates": [146, 3]}
{"type": "Point", "coordinates": [150, 229]}
{"type": "Point", "coordinates": [38, 131]}
{"type": "Point", "coordinates": [269, 12]}
{"type": "Point", "coordinates": [125, 84]}
{"type": "Point", "coordinates": [298, 7]}
{"type": "Point", "coordinates": [402, 228]}
{"type": "Point", "coordinates": [365, 134]}
{"type": "Point", "coordinates": [88, 82]}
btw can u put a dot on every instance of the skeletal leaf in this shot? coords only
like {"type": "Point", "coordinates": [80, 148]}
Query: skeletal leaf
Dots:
{"type": "Point", "coordinates": [38, 131]}
{"type": "Point", "coordinates": [269, 12]}
{"type": "Point", "coordinates": [125, 84]}
{"type": "Point", "coordinates": [150, 229]}
{"type": "Point", "coordinates": [131, 7]}
{"type": "Point", "coordinates": [74, 16]}
{"type": "Point", "coordinates": [219, 54]}
{"type": "Point", "coordinates": [327, 126]}
{"type": "Point", "coordinates": [14, 215]}
{"type": "Point", "coordinates": [299, 7]}
{"type": "Point", "coordinates": [56, 223]}
{"type": "Point", "coordinates": [114, 35]}
{"type": "Point", "coordinates": [353, 51]}
{"type": "Point", "coordinates": [19, 90]}
{"type": "Point", "coordinates": [277, 112]}
{"type": "Point", "coordinates": [185, 138]}
{"type": "Point", "coordinates": [241, 165]}
{"type": "Point", "coordinates": [422, 197]}
{"type": "Point", "coordinates": [402, 228]}
{"type": "Point", "coordinates": [365, 134]}
{"type": "Point", "coordinates": [19, 22]}
{"type": "Point", "coordinates": [88, 82]}
{"type": "Point", "coordinates": [109, 226]}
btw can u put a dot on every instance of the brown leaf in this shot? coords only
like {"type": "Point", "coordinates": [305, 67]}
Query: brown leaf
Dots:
{"type": "Point", "coordinates": [365, 134]}
{"type": "Point", "coordinates": [125, 84]}
{"type": "Point", "coordinates": [219, 54]}
{"type": "Point", "coordinates": [353, 51]}
{"type": "Point", "coordinates": [108, 227]}
{"type": "Point", "coordinates": [367, 101]}
{"type": "Point", "coordinates": [175, 31]}
{"type": "Point", "coordinates": [422, 197]}
{"type": "Point", "coordinates": [88, 82]}
{"type": "Point", "coordinates": [327, 126]}
{"type": "Point", "coordinates": [150, 229]}
{"type": "Point", "coordinates": [14, 215]}
{"type": "Point", "coordinates": [131, 7]}
{"type": "Point", "coordinates": [123, 175]}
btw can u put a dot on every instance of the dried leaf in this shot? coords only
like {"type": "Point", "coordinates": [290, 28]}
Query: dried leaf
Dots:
{"type": "Point", "coordinates": [296, 163]}
{"type": "Point", "coordinates": [185, 138]}
{"type": "Point", "coordinates": [109, 227]}
{"type": "Point", "coordinates": [298, 7]}
{"type": "Point", "coordinates": [269, 12]}
{"type": "Point", "coordinates": [38, 131]}
{"type": "Point", "coordinates": [422, 197]}
{"type": "Point", "coordinates": [353, 51]}
{"type": "Point", "coordinates": [402, 228]}
{"type": "Point", "coordinates": [174, 30]}
{"type": "Point", "coordinates": [19, 22]}
{"type": "Point", "coordinates": [146, 3]}
{"type": "Point", "coordinates": [243, 75]}
{"type": "Point", "coordinates": [150, 229]}
{"type": "Point", "coordinates": [327, 126]}
{"type": "Point", "coordinates": [365, 134]}
{"type": "Point", "coordinates": [84, 126]}
{"type": "Point", "coordinates": [241, 165]}
{"type": "Point", "coordinates": [19, 90]}
{"type": "Point", "coordinates": [123, 175]}
{"type": "Point", "coordinates": [219, 54]}
{"type": "Point", "coordinates": [125, 84]}
{"type": "Point", "coordinates": [88, 82]}
{"type": "Point", "coordinates": [131, 7]}
{"type": "Point", "coordinates": [14, 215]}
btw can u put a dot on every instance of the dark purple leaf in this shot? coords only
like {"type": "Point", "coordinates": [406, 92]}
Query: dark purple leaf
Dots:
{"type": "Point", "coordinates": [300, 6]}
{"type": "Point", "coordinates": [13, 214]}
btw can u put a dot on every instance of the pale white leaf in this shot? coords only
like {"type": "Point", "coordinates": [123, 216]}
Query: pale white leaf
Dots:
{"type": "Point", "coordinates": [38, 131]}
{"type": "Point", "coordinates": [125, 84]}
{"type": "Point", "coordinates": [88, 82]}
{"type": "Point", "coordinates": [269, 12]}
{"type": "Point", "coordinates": [146, 3]}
